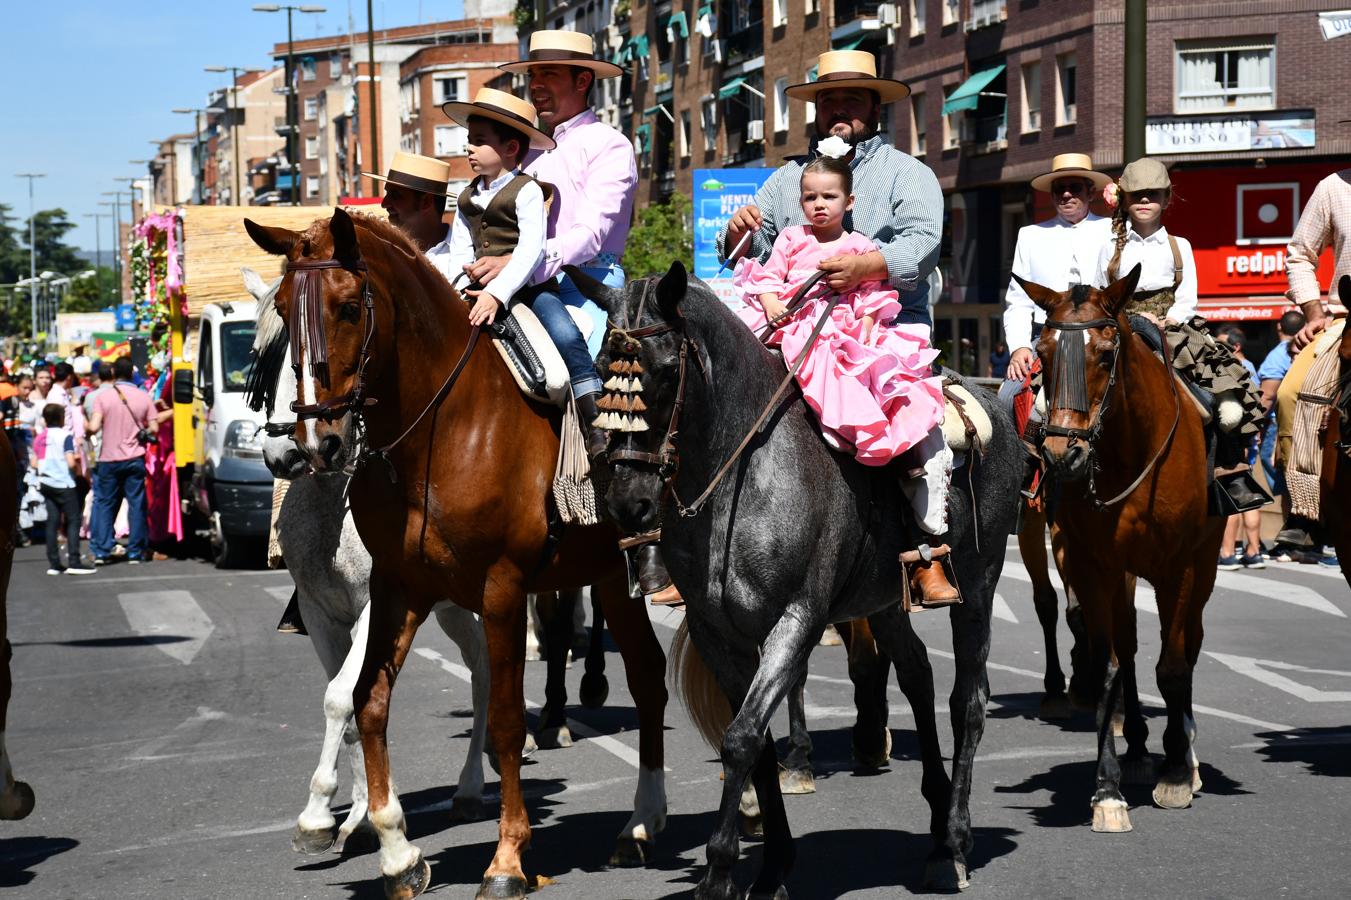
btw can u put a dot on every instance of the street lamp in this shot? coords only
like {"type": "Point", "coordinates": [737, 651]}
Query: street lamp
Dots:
{"type": "Point", "coordinates": [32, 249]}
{"type": "Point", "coordinates": [116, 204]}
{"type": "Point", "coordinates": [234, 117]}
{"type": "Point", "coordinates": [196, 113]}
{"type": "Point", "coordinates": [291, 126]}
{"type": "Point", "coordinates": [98, 249]}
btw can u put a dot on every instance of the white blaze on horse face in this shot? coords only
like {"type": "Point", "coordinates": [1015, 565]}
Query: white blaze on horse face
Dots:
{"type": "Point", "coordinates": [307, 387]}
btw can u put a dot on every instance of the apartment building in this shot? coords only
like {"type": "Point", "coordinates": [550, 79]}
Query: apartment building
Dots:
{"type": "Point", "coordinates": [172, 172]}
{"type": "Point", "coordinates": [251, 108]}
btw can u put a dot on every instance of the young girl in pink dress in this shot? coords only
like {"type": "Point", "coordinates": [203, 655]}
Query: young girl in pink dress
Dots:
{"type": "Point", "coordinates": [868, 382]}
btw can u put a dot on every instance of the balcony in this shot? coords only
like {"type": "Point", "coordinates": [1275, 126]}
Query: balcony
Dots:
{"type": "Point", "coordinates": [744, 45]}
{"type": "Point", "coordinates": [849, 10]}
{"type": "Point", "coordinates": [280, 126]}
{"type": "Point", "coordinates": [988, 134]}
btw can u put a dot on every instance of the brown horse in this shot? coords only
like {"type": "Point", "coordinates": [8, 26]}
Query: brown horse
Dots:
{"type": "Point", "coordinates": [450, 495]}
{"type": "Point", "coordinates": [1117, 428]}
{"type": "Point", "coordinates": [1335, 484]}
{"type": "Point", "coordinates": [16, 798]}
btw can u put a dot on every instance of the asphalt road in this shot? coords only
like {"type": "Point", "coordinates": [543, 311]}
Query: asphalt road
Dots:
{"type": "Point", "coordinates": [170, 735]}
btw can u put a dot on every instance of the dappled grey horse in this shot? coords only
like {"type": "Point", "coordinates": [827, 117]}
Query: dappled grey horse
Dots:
{"type": "Point", "coordinates": [794, 538]}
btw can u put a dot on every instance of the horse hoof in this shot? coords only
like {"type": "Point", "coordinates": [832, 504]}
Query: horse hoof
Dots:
{"type": "Point", "coordinates": [1168, 795]}
{"type": "Point", "coordinates": [752, 827]}
{"type": "Point", "coordinates": [796, 781]}
{"type": "Point", "coordinates": [19, 803]}
{"type": "Point", "coordinates": [946, 875]}
{"type": "Point", "coordinates": [530, 746]}
{"type": "Point", "coordinates": [554, 738]}
{"type": "Point", "coordinates": [466, 809]}
{"type": "Point", "coordinates": [631, 853]}
{"type": "Point", "coordinates": [312, 843]}
{"type": "Point", "coordinates": [502, 887]}
{"type": "Point", "coordinates": [1111, 817]}
{"type": "Point", "coordinates": [1055, 707]}
{"type": "Point", "coordinates": [878, 758]}
{"type": "Point", "coordinates": [1139, 771]}
{"type": "Point", "coordinates": [1196, 779]}
{"type": "Point", "coordinates": [1118, 725]}
{"type": "Point", "coordinates": [410, 882]}
{"type": "Point", "coordinates": [830, 637]}
{"type": "Point", "coordinates": [595, 690]}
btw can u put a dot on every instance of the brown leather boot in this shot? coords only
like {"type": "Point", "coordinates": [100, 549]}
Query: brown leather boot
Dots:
{"type": "Point", "coordinates": [597, 439]}
{"type": "Point", "coordinates": [929, 585]}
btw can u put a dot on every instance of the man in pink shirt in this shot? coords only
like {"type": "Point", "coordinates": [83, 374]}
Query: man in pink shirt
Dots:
{"type": "Point", "coordinates": [594, 175]}
{"type": "Point", "coordinates": [126, 416]}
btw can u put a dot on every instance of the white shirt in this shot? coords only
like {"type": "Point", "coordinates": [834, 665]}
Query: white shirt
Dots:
{"type": "Point", "coordinates": [439, 256]}
{"type": "Point", "coordinates": [1053, 254]}
{"type": "Point", "coordinates": [529, 252]}
{"type": "Point", "coordinates": [1155, 257]}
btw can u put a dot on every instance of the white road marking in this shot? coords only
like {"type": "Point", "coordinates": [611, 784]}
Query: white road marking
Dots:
{"type": "Point", "coordinates": [1144, 594]}
{"type": "Point", "coordinates": [604, 741]}
{"type": "Point", "coordinates": [1002, 610]}
{"type": "Point", "coordinates": [169, 614]}
{"type": "Point", "coordinates": [195, 576]}
{"type": "Point", "coordinates": [282, 592]}
{"type": "Point", "coordinates": [1260, 670]}
{"type": "Point", "coordinates": [1277, 589]}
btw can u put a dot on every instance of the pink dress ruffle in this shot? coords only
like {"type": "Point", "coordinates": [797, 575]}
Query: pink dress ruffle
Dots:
{"type": "Point", "coordinates": [875, 399]}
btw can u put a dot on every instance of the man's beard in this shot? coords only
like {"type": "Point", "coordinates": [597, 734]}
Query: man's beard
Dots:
{"type": "Point", "coordinates": [849, 133]}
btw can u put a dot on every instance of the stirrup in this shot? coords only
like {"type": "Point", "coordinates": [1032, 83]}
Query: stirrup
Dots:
{"type": "Point", "coordinates": [914, 563]}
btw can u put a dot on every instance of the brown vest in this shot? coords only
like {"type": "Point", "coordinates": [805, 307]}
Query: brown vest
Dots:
{"type": "Point", "coordinates": [495, 230]}
{"type": "Point", "coordinates": [1157, 302]}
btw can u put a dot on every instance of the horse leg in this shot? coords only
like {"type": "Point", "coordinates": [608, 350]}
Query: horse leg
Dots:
{"type": "Point", "coordinates": [795, 772]}
{"type": "Point", "coordinates": [534, 631]}
{"type": "Point", "coordinates": [783, 656]}
{"type": "Point", "coordinates": [896, 634]}
{"type": "Point", "coordinates": [1032, 548]}
{"type": "Point", "coordinates": [595, 687]}
{"type": "Point", "coordinates": [868, 670]}
{"type": "Point", "coordinates": [16, 798]}
{"type": "Point", "coordinates": [645, 671]}
{"type": "Point", "coordinates": [393, 623]}
{"type": "Point", "coordinates": [1110, 810]}
{"type": "Point", "coordinates": [555, 614]}
{"type": "Point", "coordinates": [1179, 775]}
{"type": "Point", "coordinates": [341, 652]}
{"type": "Point", "coordinates": [465, 629]}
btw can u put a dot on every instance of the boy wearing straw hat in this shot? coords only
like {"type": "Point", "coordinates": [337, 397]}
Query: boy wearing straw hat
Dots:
{"type": "Point", "coordinates": [502, 211]}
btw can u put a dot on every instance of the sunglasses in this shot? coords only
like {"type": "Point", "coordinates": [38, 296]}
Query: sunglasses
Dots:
{"type": "Point", "coordinates": [1071, 187]}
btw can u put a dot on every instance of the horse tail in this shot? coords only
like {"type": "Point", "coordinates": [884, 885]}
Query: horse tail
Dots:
{"type": "Point", "coordinates": [699, 690]}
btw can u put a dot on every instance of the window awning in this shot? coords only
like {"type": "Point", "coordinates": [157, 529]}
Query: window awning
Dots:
{"type": "Point", "coordinates": [677, 25]}
{"type": "Point", "coordinates": [813, 73]}
{"type": "Point", "coordinates": [730, 88]}
{"type": "Point", "coordinates": [622, 53]}
{"type": "Point", "coordinates": [967, 96]}
{"type": "Point", "coordinates": [705, 22]}
{"type": "Point", "coordinates": [659, 108]}
{"type": "Point", "coordinates": [642, 136]}
{"type": "Point", "coordinates": [639, 45]}
{"type": "Point", "coordinates": [852, 45]}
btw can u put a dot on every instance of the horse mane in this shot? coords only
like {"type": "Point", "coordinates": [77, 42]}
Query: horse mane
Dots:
{"type": "Point", "coordinates": [271, 339]}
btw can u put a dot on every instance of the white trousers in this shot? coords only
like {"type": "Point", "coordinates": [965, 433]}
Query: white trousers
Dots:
{"type": "Point", "coordinates": [928, 495]}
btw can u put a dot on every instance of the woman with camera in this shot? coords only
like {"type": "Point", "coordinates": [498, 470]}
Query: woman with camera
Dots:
{"type": "Point", "coordinates": [126, 417]}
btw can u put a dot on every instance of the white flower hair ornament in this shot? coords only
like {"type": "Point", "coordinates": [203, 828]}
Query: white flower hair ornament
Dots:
{"type": "Point", "coordinates": [834, 147]}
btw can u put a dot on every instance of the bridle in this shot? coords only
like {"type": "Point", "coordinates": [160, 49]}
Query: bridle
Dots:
{"type": "Point", "coordinates": [626, 340]}
{"type": "Point", "coordinates": [1090, 435]}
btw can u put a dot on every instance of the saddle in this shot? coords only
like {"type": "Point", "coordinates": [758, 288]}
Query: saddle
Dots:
{"type": "Point", "coordinates": [1151, 335]}
{"type": "Point", "coordinates": [531, 356]}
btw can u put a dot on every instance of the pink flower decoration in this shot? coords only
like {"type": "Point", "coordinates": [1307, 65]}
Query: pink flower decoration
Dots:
{"type": "Point", "coordinates": [1109, 194]}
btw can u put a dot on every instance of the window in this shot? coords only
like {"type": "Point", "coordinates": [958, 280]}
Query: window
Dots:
{"type": "Point", "coordinates": [312, 186]}
{"type": "Point", "coordinates": [708, 124]}
{"type": "Point", "coordinates": [307, 68]}
{"type": "Point", "coordinates": [1066, 90]}
{"type": "Point", "coordinates": [1031, 97]}
{"type": "Point", "coordinates": [451, 140]}
{"type": "Point", "coordinates": [811, 7]}
{"type": "Point", "coordinates": [406, 101]}
{"type": "Point", "coordinates": [810, 114]}
{"type": "Point", "coordinates": [451, 88]}
{"type": "Point", "coordinates": [781, 105]}
{"type": "Point", "coordinates": [986, 12]}
{"type": "Point", "coordinates": [311, 108]}
{"type": "Point", "coordinates": [1217, 77]}
{"type": "Point", "coordinates": [917, 124]}
{"type": "Point", "coordinates": [334, 65]}
{"type": "Point", "coordinates": [205, 373]}
{"type": "Point", "coordinates": [685, 134]}
{"type": "Point", "coordinates": [311, 148]}
{"type": "Point", "coordinates": [917, 17]}
{"type": "Point", "coordinates": [952, 12]}
{"type": "Point", "coordinates": [952, 123]}
{"type": "Point", "coordinates": [780, 14]}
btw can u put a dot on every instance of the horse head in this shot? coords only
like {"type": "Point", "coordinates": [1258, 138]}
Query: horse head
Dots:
{"type": "Point", "coordinates": [327, 303]}
{"type": "Point", "coordinates": [643, 360]}
{"type": "Point", "coordinates": [1080, 348]}
{"type": "Point", "coordinates": [271, 386]}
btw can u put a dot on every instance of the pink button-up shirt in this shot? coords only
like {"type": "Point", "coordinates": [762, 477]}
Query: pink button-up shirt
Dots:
{"type": "Point", "coordinates": [594, 175]}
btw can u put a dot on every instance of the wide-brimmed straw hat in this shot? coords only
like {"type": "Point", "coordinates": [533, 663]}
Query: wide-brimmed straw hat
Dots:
{"type": "Point", "coordinates": [563, 48]}
{"type": "Point", "coordinates": [837, 69]}
{"type": "Point", "coordinates": [501, 107]}
{"type": "Point", "coordinates": [417, 173]}
{"type": "Point", "coordinates": [1070, 165]}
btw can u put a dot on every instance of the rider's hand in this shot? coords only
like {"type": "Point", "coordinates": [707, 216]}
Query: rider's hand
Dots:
{"type": "Point", "coordinates": [485, 269]}
{"type": "Point", "coordinates": [746, 219]}
{"type": "Point", "coordinates": [867, 330]}
{"type": "Point", "coordinates": [1308, 333]}
{"type": "Point", "coordinates": [1020, 364]}
{"type": "Point", "coordinates": [844, 273]}
{"type": "Point", "coordinates": [484, 309]}
{"type": "Point", "coordinates": [773, 306]}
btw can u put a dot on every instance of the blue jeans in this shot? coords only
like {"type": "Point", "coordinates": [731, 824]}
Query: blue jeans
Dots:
{"type": "Point", "coordinates": [114, 481]}
{"type": "Point", "coordinates": [579, 354]}
{"type": "Point", "coordinates": [1275, 476]}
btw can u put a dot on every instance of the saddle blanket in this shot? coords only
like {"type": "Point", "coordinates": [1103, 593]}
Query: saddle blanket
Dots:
{"type": "Point", "coordinates": [530, 354]}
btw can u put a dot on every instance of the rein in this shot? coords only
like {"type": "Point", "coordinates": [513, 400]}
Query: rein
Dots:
{"type": "Point", "coordinates": [1078, 388]}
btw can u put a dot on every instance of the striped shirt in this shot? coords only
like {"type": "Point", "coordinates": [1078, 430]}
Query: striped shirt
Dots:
{"type": "Point", "coordinates": [1325, 222]}
{"type": "Point", "coordinates": [898, 205]}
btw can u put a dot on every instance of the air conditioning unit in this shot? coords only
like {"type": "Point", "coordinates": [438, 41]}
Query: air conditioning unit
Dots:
{"type": "Point", "coordinates": [887, 15]}
{"type": "Point", "coordinates": [755, 130]}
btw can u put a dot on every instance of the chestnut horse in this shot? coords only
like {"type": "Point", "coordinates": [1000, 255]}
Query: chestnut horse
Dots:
{"type": "Point", "coordinates": [1117, 428]}
{"type": "Point", "coordinates": [16, 798]}
{"type": "Point", "coordinates": [453, 475]}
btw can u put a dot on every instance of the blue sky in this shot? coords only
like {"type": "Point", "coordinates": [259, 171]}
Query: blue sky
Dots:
{"type": "Point", "coordinates": [91, 84]}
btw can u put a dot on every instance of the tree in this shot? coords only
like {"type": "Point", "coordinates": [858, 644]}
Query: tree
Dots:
{"type": "Point", "coordinates": [50, 227]}
{"type": "Point", "coordinates": [13, 258]}
{"type": "Point", "coordinates": [91, 294]}
{"type": "Point", "coordinates": [662, 234]}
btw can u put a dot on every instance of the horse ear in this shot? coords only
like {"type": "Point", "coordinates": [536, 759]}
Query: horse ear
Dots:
{"type": "Point", "coordinates": [253, 283]}
{"type": "Point", "coordinates": [1120, 291]}
{"type": "Point", "coordinates": [1344, 290]}
{"type": "Point", "coordinates": [344, 233]}
{"type": "Point", "coordinates": [607, 298]}
{"type": "Point", "coordinates": [671, 290]}
{"type": "Point", "coordinates": [277, 241]}
{"type": "Point", "coordinates": [1042, 296]}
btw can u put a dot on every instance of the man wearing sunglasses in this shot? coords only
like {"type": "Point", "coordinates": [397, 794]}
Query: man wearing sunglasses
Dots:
{"type": "Point", "coordinates": [1057, 253]}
